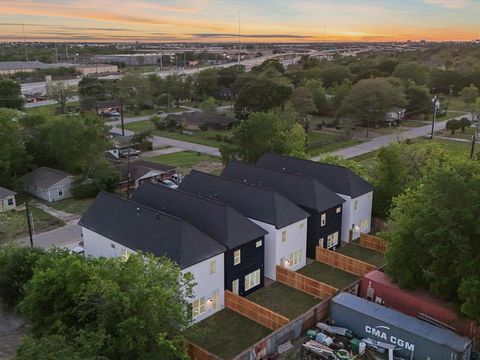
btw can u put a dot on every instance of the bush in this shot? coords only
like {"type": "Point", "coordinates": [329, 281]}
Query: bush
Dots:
{"type": "Point", "coordinates": [85, 190]}
{"type": "Point", "coordinates": [218, 137]}
{"type": "Point", "coordinates": [203, 127]}
{"type": "Point", "coordinates": [16, 269]}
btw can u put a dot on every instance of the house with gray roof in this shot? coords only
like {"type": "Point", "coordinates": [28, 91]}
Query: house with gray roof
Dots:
{"type": "Point", "coordinates": [7, 200]}
{"type": "Point", "coordinates": [49, 184]}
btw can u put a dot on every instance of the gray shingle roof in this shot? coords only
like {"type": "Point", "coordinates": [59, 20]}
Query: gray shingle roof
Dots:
{"type": "Point", "coordinates": [215, 219]}
{"type": "Point", "coordinates": [255, 202]}
{"type": "Point", "coordinates": [5, 192]}
{"type": "Point", "coordinates": [141, 228]}
{"type": "Point", "coordinates": [139, 168]}
{"type": "Point", "coordinates": [402, 321]}
{"type": "Point", "coordinates": [302, 190]}
{"type": "Point", "coordinates": [338, 178]}
{"type": "Point", "coordinates": [44, 177]}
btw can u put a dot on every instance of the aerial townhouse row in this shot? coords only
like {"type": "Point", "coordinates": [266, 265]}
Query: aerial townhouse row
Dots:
{"type": "Point", "coordinates": [231, 231]}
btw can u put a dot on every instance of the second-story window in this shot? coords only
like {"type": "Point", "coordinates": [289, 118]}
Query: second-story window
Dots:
{"type": "Point", "coordinates": [284, 236]}
{"type": "Point", "coordinates": [355, 205]}
{"type": "Point", "coordinates": [237, 257]}
{"type": "Point", "coordinates": [213, 267]}
{"type": "Point", "coordinates": [323, 219]}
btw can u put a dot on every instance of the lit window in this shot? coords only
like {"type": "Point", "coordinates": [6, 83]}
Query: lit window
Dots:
{"type": "Point", "coordinates": [320, 242]}
{"type": "Point", "coordinates": [252, 280]}
{"type": "Point", "coordinates": [235, 286]}
{"type": "Point", "coordinates": [323, 219]}
{"type": "Point", "coordinates": [125, 254]}
{"type": "Point", "coordinates": [215, 300]}
{"type": "Point", "coordinates": [332, 240]}
{"type": "Point", "coordinates": [295, 257]}
{"type": "Point", "coordinates": [364, 225]}
{"type": "Point", "coordinates": [213, 267]}
{"type": "Point", "coordinates": [339, 209]}
{"type": "Point", "coordinates": [198, 307]}
{"type": "Point", "coordinates": [284, 236]}
{"type": "Point", "coordinates": [237, 257]}
{"type": "Point", "coordinates": [258, 243]}
{"type": "Point", "coordinates": [355, 205]}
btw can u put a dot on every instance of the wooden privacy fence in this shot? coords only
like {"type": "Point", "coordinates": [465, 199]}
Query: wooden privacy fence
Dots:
{"type": "Point", "coordinates": [253, 311]}
{"type": "Point", "coordinates": [304, 283]}
{"type": "Point", "coordinates": [373, 242]}
{"type": "Point", "coordinates": [196, 352]}
{"type": "Point", "coordinates": [343, 262]}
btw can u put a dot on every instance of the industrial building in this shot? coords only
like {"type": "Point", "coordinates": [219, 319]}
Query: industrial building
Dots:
{"type": "Point", "coordinates": [12, 67]}
{"type": "Point", "coordinates": [132, 59]}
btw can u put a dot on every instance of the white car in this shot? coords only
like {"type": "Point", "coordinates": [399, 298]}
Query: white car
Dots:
{"type": "Point", "coordinates": [169, 183]}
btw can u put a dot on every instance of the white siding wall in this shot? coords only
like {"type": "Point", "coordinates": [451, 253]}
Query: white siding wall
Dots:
{"type": "Point", "coordinates": [4, 204]}
{"type": "Point", "coordinates": [352, 217]}
{"type": "Point", "coordinates": [97, 245]}
{"type": "Point", "coordinates": [51, 194]}
{"type": "Point", "coordinates": [275, 250]}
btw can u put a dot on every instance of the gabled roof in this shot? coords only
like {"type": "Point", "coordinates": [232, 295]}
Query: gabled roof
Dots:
{"type": "Point", "coordinates": [5, 192]}
{"type": "Point", "coordinates": [337, 178]}
{"type": "Point", "coordinates": [302, 190]}
{"type": "Point", "coordinates": [215, 219]}
{"type": "Point", "coordinates": [140, 168]}
{"type": "Point", "coordinates": [44, 177]}
{"type": "Point", "coordinates": [141, 228]}
{"type": "Point", "coordinates": [255, 202]}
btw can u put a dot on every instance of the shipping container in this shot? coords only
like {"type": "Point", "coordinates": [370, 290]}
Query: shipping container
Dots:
{"type": "Point", "coordinates": [378, 286]}
{"type": "Point", "coordinates": [414, 339]}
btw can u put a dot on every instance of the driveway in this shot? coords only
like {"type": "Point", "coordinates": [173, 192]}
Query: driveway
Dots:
{"type": "Point", "coordinates": [67, 236]}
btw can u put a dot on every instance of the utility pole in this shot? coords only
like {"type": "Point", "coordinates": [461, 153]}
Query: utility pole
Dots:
{"type": "Point", "coordinates": [239, 41]}
{"type": "Point", "coordinates": [56, 53]}
{"type": "Point", "coordinates": [121, 116]}
{"type": "Point", "coordinates": [448, 98]}
{"type": "Point", "coordinates": [474, 137]}
{"type": "Point", "coordinates": [25, 43]}
{"type": "Point", "coordinates": [128, 170]}
{"type": "Point", "coordinates": [434, 103]}
{"type": "Point", "coordinates": [66, 51]}
{"type": "Point", "coordinates": [29, 223]}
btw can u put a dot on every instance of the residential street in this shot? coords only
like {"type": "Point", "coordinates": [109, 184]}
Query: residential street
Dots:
{"type": "Point", "coordinates": [67, 236]}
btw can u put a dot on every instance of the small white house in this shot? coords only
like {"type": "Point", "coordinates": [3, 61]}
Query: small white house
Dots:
{"type": "Point", "coordinates": [49, 184]}
{"type": "Point", "coordinates": [7, 200]}
{"type": "Point", "coordinates": [116, 227]}
{"type": "Point", "coordinates": [357, 214]}
{"type": "Point", "coordinates": [285, 222]}
{"type": "Point", "coordinates": [395, 115]}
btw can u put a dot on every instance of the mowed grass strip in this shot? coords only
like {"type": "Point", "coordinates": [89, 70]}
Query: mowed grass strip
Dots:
{"type": "Point", "coordinates": [183, 159]}
{"type": "Point", "coordinates": [284, 300]}
{"type": "Point", "coordinates": [328, 274]}
{"type": "Point", "coordinates": [363, 254]}
{"type": "Point", "coordinates": [228, 333]}
{"type": "Point", "coordinates": [72, 205]}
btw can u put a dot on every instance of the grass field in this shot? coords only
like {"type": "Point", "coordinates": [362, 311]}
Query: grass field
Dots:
{"type": "Point", "coordinates": [283, 300]}
{"type": "Point", "coordinates": [467, 135]}
{"type": "Point", "coordinates": [183, 159]}
{"type": "Point", "coordinates": [72, 206]}
{"type": "Point", "coordinates": [332, 147]}
{"type": "Point", "coordinates": [228, 333]}
{"type": "Point", "coordinates": [328, 274]}
{"type": "Point", "coordinates": [48, 109]}
{"type": "Point", "coordinates": [360, 253]}
{"type": "Point", "coordinates": [13, 224]}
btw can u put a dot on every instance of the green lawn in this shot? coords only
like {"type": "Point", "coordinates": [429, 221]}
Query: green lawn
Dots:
{"type": "Point", "coordinates": [284, 300]}
{"type": "Point", "coordinates": [48, 109]}
{"type": "Point", "coordinates": [13, 224]}
{"type": "Point", "coordinates": [227, 333]}
{"type": "Point", "coordinates": [414, 123]}
{"type": "Point", "coordinates": [457, 104]}
{"type": "Point", "coordinates": [459, 147]}
{"type": "Point", "coordinates": [328, 274]}
{"type": "Point", "coordinates": [183, 159]}
{"type": "Point", "coordinates": [469, 132]}
{"type": "Point", "coordinates": [72, 206]}
{"type": "Point", "coordinates": [332, 147]}
{"type": "Point", "coordinates": [366, 255]}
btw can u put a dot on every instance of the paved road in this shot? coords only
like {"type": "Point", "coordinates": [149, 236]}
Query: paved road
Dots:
{"type": "Point", "coordinates": [377, 142]}
{"type": "Point", "coordinates": [67, 236]}
{"type": "Point", "coordinates": [47, 102]}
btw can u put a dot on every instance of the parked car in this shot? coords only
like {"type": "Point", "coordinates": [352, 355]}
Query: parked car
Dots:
{"type": "Point", "coordinates": [129, 152]}
{"type": "Point", "coordinates": [169, 183]}
{"type": "Point", "coordinates": [177, 178]}
{"type": "Point", "coordinates": [114, 113]}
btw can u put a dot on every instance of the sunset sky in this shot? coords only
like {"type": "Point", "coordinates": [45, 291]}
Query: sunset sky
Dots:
{"type": "Point", "coordinates": [261, 20]}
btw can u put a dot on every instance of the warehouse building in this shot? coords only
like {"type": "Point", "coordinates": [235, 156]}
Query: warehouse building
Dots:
{"type": "Point", "coordinates": [12, 67]}
{"type": "Point", "coordinates": [413, 338]}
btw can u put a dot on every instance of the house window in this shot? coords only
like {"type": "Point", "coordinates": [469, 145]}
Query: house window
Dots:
{"type": "Point", "coordinates": [302, 225]}
{"type": "Point", "coordinates": [235, 286]}
{"type": "Point", "coordinates": [323, 219]}
{"type": "Point", "coordinates": [213, 267]}
{"type": "Point", "coordinates": [320, 242]}
{"type": "Point", "coordinates": [252, 280]}
{"type": "Point", "coordinates": [10, 202]}
{"type": "Point", "coordinates": [295, 257]}
{"type": "Point", "coordinates": [332, 240]}
{"type": "Point", "coordinates": [364, 225]}
{"type": "Point", "coordinates": [215, 300]}
{"type": "Point", "coordinates": [198, 307]}
{"type": "Point", "coordinates": [258, 243]}
{"type": "Point", "coordinates": [112, 245]}
{"type": "Point", "coordinates": [284, 236]}
{"type": "Point", "coordinates": [355, 205]}
{"type": "Point", "coordinates": [60, 192]}
{"type": "Point", "coordinates": [339, 209]}
{"type": "Point", "coordinates": [237, 257]}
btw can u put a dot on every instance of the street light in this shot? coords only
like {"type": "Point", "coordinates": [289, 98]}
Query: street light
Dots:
{"type": "Point", "coordinates": [436, 105]}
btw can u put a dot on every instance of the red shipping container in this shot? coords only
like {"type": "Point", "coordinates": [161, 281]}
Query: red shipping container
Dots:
{"type": "Point", "coordinates": [414, 303]}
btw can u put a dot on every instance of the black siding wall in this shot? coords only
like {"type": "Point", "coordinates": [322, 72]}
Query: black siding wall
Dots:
{"type": "Point", "coordinates": [252, 258]}
{"type": "Point", "coordinates": [316, 232]}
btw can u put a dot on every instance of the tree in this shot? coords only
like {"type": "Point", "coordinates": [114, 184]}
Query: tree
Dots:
{"type": "Point", "coordinates": [136, 90]}
{"type": "Point", "coordinates": [261, 95]}
{"type": "Point", "coordinates": [118, 309]}
{"type": "Point", "coordinates": [469, 94]}
{"type": "Point", "coordinates": [302, 100]}
{"type": "Point", "coordinates": [319, 95]}
{"type": "Point", "coordinates": [418, 98]}
{"type": "Point", "coordinates": [413, 71]}
{"type": "Point", "coordinates": [228, 75]}
{"type": "Point", "coordinates": [207, 82]}
{"type": "Point", "coordinates": [443, 234]}
{"type": "Point", "coordinates": [209, 105]}
{"type": "Point", "coordinates": [61, 92]}
{"type": "Point", "coordinates": [335, 75]}
{"type": "Point", "coordinates": [464, 123]}
{"type": "Point", "coordinates": [92, 89]}
{"type": "Point", "coordinates": [453, 125]}
{"type": "Point", "coordinates": [261, 133]}
{"type": "Point", "coordinates": [11, 94]}
{"type": "Point", "coordinates": [370, 100]}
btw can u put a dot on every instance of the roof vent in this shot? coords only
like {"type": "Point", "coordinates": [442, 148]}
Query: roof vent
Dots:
{"type": "Point", "coordinates": [164, 208]}
{"type": "Point", "coordinates": [138, 211]}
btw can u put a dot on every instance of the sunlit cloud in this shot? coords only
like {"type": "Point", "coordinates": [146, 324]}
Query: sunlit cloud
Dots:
{"type": "Point", "coordinates": [449, 4]}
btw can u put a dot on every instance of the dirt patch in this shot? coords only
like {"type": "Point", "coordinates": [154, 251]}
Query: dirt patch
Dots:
{"type": "Point", "coordinates": [12, 330]}
{"type": "Point", "coordinates": [209, 166]}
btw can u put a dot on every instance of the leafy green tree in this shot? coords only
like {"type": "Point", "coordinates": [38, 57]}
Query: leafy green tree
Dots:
{"type": "Point", "coordinates": [268, 65]}
{"type": "Point", "coordinates": [319, 95]}
{"type": "Point", "coordinates": [261, 95]}
{"type": "Point", "coordinates": [11, 94]}
{"type": "Point", "coordinates": [464, 123]}
{"type": "Point", "coordinates": [335, 75]}
{"type": "Point", "coordinates": [209, 105]}
{"type": "Point", "coordinates": [92, 89]}
{"type": "Point", "coordinates": [137, 90]}
{"type": "Point", "coordinates": [413, 71]}
{"type": "Point", "coordinates": [302, 100]}
{"type": "Point", "coordinates": [261, 133]}
{"type": "Point", "coordinates": [453, 125]}
{"type": "Point", "coordinates": [418, 98]}
{"type": "Point", "coordinates": [341, 92]}
{"type": "Point", "coordinates": [208, 82]}
{"type": "Point", "coordinates": [370, 100]}
{"type": "Point", "coordinates": [61, 92]}
{"type": "Point", "coordinates": [469, 94]}
{"type": "Point", "coordinates": [443, 234]}
{"type": "Point", "coordinates": [228, 75]}
{"type": "Point", "coordinates": [353, 165]}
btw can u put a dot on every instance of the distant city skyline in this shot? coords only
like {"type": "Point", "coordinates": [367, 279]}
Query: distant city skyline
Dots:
{"type": "Point", "coordinates": [217, 20]}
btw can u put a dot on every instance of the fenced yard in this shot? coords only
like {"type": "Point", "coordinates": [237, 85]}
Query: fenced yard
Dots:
{"type": "Point", "coordinates": [328, 274]}
{"type": "Point", "coordinates": [361, 253]}
{"type": "Point", "coordinates": [186, 160]}
{"type": "Point", "coordinates": [283, 299]}
{"type": "Point", "coordinates": [227, 333]}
